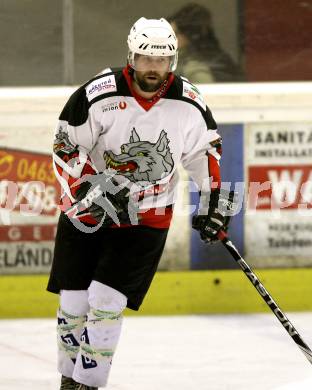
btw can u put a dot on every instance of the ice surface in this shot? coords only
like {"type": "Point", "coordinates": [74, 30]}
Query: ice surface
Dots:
{"type": "Point", "coordinates": [232, 352]}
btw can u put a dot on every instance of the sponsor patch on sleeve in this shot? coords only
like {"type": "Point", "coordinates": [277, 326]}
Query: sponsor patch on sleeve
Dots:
{"type": "Point", "coordinates": [105, 84]}
{"type": "Point", "coordinates": [192, 93]}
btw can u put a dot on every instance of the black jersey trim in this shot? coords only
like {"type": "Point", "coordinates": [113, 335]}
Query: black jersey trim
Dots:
{"type": "Point", "coordinates": [76, 110]}
{"type": "Point", "coordinates": [121, 86]}
{"type": "Point", "coordinates": [175, 92]}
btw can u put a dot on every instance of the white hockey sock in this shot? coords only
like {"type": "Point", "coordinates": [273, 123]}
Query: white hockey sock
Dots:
{"type": "Point", "coordinates": [100, 335]}
{"type": "Point", "coordinates": [71, 318]}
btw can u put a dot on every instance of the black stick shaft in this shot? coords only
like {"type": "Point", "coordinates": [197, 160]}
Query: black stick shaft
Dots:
{"type": "Point", "coordinates": [266, 296]}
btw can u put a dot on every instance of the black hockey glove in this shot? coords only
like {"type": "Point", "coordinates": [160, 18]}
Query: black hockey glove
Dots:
{"type": "Point", "coordinates": [107, 201]}
{"type": "Point", "coordinates": [220, 210]}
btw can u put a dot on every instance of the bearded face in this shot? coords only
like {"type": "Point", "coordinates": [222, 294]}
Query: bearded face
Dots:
{"type": "Point", "coordinates": [150, 81]}
{"type": "Point", "coordinates": [151, 71]}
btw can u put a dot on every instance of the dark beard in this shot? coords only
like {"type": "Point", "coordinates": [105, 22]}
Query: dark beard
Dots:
{"type": "Point", "coordinates": [145, 86]}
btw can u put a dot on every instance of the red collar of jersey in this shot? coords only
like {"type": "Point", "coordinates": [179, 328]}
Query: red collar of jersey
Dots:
{"type": "Point", "coordinates": [147, 103]}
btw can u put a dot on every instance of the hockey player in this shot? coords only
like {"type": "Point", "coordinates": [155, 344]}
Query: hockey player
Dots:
{"type": "Point", "coordinates": [118, 143]}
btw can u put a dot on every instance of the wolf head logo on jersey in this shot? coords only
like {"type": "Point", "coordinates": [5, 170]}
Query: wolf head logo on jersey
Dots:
{"type": "Point", "coordinates": [142, 160]}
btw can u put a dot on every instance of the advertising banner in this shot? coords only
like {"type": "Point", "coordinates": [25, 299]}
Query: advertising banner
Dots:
{"type": "Point", "coordinates": [29, 194]}
{"type": "Point", "coordinates": [278, 214]}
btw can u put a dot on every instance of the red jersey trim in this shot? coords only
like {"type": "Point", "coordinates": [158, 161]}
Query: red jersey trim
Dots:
{"type": "Point", "coordinates": [214, 170]}
{"type": "Point", "coordinates": [156, 217]}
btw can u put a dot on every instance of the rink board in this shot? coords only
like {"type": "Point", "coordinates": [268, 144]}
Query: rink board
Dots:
{"type": "Point", "coordinates": [189, 292]}
{"type": "Point", "coordinates": [257, 120]}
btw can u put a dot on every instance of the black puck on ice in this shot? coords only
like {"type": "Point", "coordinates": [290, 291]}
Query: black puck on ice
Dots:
{"type": "Point", "coordinates": [216, 281]}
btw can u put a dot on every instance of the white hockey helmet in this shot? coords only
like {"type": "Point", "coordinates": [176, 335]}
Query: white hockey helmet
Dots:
{"type": "Point", "coordinates": [153, 37]}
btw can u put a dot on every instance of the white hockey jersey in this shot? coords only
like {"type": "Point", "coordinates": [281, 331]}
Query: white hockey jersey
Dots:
{"type": "Point", "coordinates": [106, 125]}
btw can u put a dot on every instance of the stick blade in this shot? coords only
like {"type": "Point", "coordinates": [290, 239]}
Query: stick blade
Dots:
{"type": "Point", "coordinates": [307, 353]}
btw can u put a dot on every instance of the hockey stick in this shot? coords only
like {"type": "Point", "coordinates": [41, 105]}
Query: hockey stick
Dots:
{"type": "Point", "coordinates": [266, 296]}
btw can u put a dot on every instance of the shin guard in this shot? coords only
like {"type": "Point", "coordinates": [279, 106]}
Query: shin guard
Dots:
{"type": "Point", "coordinates": [69, 331]}
{"type": "Point", "coordinates": [100, 335]}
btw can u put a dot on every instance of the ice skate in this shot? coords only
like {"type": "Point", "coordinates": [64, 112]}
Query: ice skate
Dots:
{"type": "Point", "coordinates": [68, 383]}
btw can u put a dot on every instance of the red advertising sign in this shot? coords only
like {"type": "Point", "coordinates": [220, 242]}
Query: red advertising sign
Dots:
{"type": "Point", "coordinates": [28, 184]}
{"type": "Point", "coordinates": [280, 187]}
{"type": "Point", "coordinates": [29, 194]}
{"type": "Point", "coordinates": [30, 233]}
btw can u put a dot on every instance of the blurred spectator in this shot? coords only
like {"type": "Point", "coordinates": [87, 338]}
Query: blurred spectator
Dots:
{"type": "Point", "coordinates": [201, 58]}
